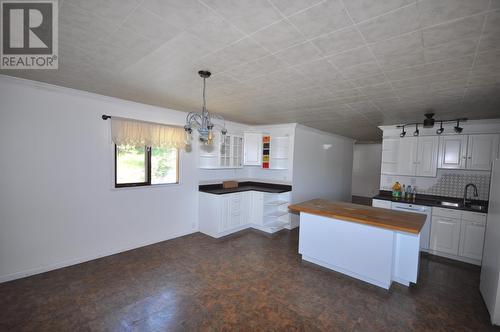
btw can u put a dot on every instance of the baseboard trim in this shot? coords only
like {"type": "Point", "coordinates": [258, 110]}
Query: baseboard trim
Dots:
{"type": "Point", "coordinates": [51, 267]}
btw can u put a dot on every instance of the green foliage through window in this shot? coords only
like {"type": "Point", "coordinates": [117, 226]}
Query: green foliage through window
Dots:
{"type": "Point", "coordinates": [139, 165]}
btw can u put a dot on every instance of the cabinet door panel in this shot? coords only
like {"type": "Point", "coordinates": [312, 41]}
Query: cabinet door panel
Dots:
{"type": "Point", "coordinates": [252, 149]}
{"type": "Point", "coordinates": [445, 235]}
{"type": "Point", "coordinates": [472, 239]}
{"type": "Point", "coordinates": [427, 156]}
{"type": "Point", "coordinates": [407, 156]}
{"type": "Point", "coordinates": [481, 151]}
{"type": "Point", "coordinates": [390, 156]}
{"type": "Point", "coordinates": [452, 152]}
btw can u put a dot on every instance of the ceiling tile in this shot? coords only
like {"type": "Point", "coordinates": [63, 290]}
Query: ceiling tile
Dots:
{"type": "Point", "coordinates": [278, 36]}
{"type": "Point", "coordinates": [370, 80]}
{"type": "Point", "coordinates": [215, 30]}
{"type": "Point", "coordinates": [81, 28]}
{"type": "Point", "coordinates": [351, 58]}
{"type": "Point", "coordinates": [433, 12]}
{"type": "Point", "coordinates": [114, 11]}
{"type": "Point", "coordinates": [382, 90]}
{"type": "Point", "coordinates": [339, 41]}
{"type": "Point", "coordinates": [235, 54]}
{"type": "Point", "coordinates": [289, 7]}
{"type": "Point", "coordinates": [152, 26]}
{"type": "Point", "coordinates": [248, 16]}
{"type": "Point", "coordinates": [256, 68]}
{"type": "Point", "coordinates": [491, 34]}
{"type": "Point", "coordinates": [181, 14]}
{"type": "Point", "coordinates": [469, 27]}
{"type": "Point", "coordinates": [361, 10]}
{"type": "Point", "coordinates": [361, 70]}
{"type": "Point", "coordinates": [326, 17]}
{"type": "Point", "coordinates": [150, 51]}
{"type": "Point", "coordinates": [298, 54]}
{"type": "Point", "coordinates": [390, 25]}
{"type": "Point", "coordinates": [454, 48]}
{"type": "Point", "coordinates": [431, 68]}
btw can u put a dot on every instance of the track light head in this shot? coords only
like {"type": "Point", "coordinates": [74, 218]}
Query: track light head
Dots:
{"type": "Point", "coordinates": [440, 130]}
{"type": "Point", "coordinates": [457, 128]}
{"type": "Point", "coordinates": [416, 132]}
{"type": "Point", "coordinates": [403, 132]}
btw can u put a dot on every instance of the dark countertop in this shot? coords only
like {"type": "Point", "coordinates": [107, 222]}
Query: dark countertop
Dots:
{"type": "Point", "coordinates": [245, 186]}
{"type": "Point", "coordinates": [431, 200]}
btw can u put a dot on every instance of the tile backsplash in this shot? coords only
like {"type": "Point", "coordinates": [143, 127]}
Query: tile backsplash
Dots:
{"type": "Point", "coordinates": [449, 183]}
{"type": "Point", "coordinates": [453, 184]}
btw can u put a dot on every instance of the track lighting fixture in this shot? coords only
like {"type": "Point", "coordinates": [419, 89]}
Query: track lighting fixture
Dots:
{"type": "Point", "coordinates": [457, 128]}
{"type": "Point", "coordinates": [416, 132]}
{"type": "Point", "coordinates": [403, 132]}
{"type": "Point", "coordinates": [429, 123]}
{"type": "Point", "coordinates": [440, 130]}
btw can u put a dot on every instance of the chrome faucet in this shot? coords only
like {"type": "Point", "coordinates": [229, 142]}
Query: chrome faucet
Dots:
{"type": "Point", "coordinates": [465, 192]}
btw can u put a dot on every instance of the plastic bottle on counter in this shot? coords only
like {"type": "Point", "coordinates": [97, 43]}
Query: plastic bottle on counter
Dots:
{"type": "Point", "coordinates": [408, 192]}
{"type": "Point", "coordinates": [414, 193]}
{"type": "Point", "coordinates": [403, 193]}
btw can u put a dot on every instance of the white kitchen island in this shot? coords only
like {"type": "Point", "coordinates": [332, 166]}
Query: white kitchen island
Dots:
{"type": "Point", "coordinates": [375, 245]}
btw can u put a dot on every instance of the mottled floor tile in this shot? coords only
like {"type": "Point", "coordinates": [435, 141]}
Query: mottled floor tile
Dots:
{"type": "Point", "coordinates": [249, 281]}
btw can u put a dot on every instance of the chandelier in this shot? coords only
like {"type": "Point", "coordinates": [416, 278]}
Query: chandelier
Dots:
{"type": "Point", "coordinates": [203, 121]}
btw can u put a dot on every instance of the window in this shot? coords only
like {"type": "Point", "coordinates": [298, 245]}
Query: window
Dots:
{"type": "Point", "coordinates": [144, 166]}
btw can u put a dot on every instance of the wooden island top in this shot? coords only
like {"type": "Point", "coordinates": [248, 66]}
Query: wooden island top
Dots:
{"type": "Point", "coordinates": [362, 214]}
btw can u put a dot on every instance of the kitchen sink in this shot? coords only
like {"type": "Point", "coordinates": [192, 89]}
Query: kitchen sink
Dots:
{"type": "Point", "coordinates": [450, 204]}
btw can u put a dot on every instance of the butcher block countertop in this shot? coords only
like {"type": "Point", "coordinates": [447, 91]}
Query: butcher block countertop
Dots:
{"type": "Point", "coordinates": [362, 214]}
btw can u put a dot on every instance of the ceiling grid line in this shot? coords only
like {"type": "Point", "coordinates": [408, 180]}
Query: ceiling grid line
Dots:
{"type": "Point", "coordinates": [333, 66]}
{"type": "Point", "coordinates": [475, 54]}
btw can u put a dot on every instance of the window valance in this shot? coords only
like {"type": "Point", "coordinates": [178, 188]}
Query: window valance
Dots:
{"type": "Point", "coordinates": [137, 133]}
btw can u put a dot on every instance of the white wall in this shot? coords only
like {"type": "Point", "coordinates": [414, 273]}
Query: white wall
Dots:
{"type": "Point", "coordinates": [366, 169]}
{"type": "Point", "coordinates": [58, 204]}
{"type": "Point", "coordinates": [322, 167]}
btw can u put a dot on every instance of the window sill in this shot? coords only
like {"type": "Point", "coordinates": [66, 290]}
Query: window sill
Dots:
{"type": "Point", "coordinates": [152, 186]}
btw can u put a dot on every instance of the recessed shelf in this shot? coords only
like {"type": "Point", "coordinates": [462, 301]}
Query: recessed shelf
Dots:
{"type": "Point", "coordinates": [276, 214]}
{"type": "Point", "coordinates": [276, 203]}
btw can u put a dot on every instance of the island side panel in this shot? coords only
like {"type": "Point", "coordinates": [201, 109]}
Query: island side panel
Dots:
{"type": "Point", "coordinates": [406, 257]}
{"type": "Point", "coordinates": [360, 251]}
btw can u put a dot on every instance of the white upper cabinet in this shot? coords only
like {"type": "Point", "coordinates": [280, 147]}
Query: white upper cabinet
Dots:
{"type": "Point", "coordinates": [427, 156]}
{"type": "Point", "coordinates": [417, 156]}
{"type": "Point", "coordinates": [481, 151]}
{"type": "Point", "coordinates": [226, 151]}
{"type": "Point", "coordinates": [252, 149]}
{"type": "Point", "coordinates": [475, 152]}
{"type": "Point", "coordinates": [390, 155]}
{"type": "Point", "coordinates": [407, 156]}
{"type": "Point", "coordinates": [452, 151]}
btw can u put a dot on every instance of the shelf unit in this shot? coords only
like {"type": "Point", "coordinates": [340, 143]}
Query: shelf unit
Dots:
{"type": "Point", "coordinates": [276, 214]}
{"type": "Point", "coordinates": [279, 152]}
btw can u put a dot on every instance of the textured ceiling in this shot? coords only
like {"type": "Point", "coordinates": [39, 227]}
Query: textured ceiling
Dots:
{"type": "Point", "coordinates": [339, 66]}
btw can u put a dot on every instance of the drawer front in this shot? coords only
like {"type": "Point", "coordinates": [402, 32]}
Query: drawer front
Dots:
{"type": "Point", "coordinates": [474, 216]}
{"type": "Point", "coordinates": [448, 213]}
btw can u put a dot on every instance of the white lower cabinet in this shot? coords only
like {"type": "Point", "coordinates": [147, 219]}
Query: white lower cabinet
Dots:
{"type": "Point", "coordinates": [458, 234]}
{"type": "Point", "coordinates": [222, 215]}
{"type": "Point", "coordinates": [380, 203]}
{"type": "Point", "coordinates": [472, 239]}
{"type": "Point", "coordinates": [445, 235]}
